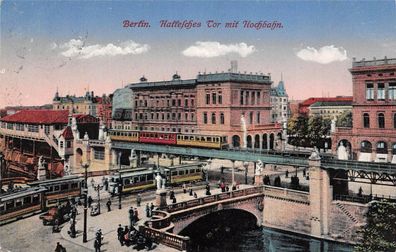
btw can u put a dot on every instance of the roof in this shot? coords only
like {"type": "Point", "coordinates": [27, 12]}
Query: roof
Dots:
{"type": "Point", "coordinates": [331, 103]}
{"type": "Point", "coordinates": [67, 133]}
{"type": "Point", "coordinates": [38, 117]}
{"type": "Point", "coordinates": [312, 100]}
{"type": "Point", "coordinates": [21, 193]}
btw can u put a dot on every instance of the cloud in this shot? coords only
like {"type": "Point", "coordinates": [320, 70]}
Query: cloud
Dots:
{"type": "Point", "coordinates": [324, 55]}
{"type": "Point", "coordinates": [77, 48]}
{"type": "Point", "coordinates": [210, 49]}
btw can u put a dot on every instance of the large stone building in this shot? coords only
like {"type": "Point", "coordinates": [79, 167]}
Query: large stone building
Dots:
{"type": "Point", "coordinates": [373, 135]}
{"type": "Point", "coordinates": [230, 104]}
{"type": "Point", "coordinates": [97, 106]}
{"type": "Point", "coordinates": [304, 106]}
{"type": "Point", "coordinates": [330, 109]}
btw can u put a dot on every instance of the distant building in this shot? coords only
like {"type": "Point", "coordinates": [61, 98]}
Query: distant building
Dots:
{"type": "Point", "coordinates": [330, 109]}
{"type": "Point", "coordinates": [373, 135]}
{"type": "Point", "coordinates": [224, 104]}
{"type": "Point", "coordinates": [303, 107]}
{"type": "Point", "coordinates": [89, 105]}
{"type": "Point", "coordinates": [56, 135]}
{"type": "Point", "coordinates": [280, 111]}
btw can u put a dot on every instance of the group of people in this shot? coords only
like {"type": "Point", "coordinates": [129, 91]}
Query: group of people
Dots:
{"type": "Point", "coordinates": [131, 236]}
{"type": "Point", "coordinates": [133, 216]}
{"type": "Point", "coordinates": [225, 188]}
{"type": "Point", "coordinates": [149, 210]}
{"type": "Point", "coordinates": [98, 240]}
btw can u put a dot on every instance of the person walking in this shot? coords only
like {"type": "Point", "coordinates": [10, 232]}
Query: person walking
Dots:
{"type": "Point", "coordinates": [120, 232]}
{"type": "Point", "coordinates": [59, 248]}
{"type": "Point", "coordinates": [138, 199]}
{"type": "Point", "coordinates": [287, 173]}
{"type": "Point", "coordinates": [152, 208]}
{"type": "Point", "coordinates": [131, 217]}
{"type": "Point", "coordinates": [184, 188]}
{"type": "Point", "coordinates": [147, 210]}
{"type": "Point", "coordinates": [108, 204]}
{"type": "Point", "coordinates": [90, 200]}
{"type": "Point", "coordinates": [96, 245]}
{"type": "Point", "coordinates": [136, 213]}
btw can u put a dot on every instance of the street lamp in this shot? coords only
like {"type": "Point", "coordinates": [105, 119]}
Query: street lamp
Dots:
{"type": "Point", "coordinates": [206, 168]}
{"type": "Point", "coordinates": [1, 172]}
{"type": "Point", "coordinates": [85, 166]}
{"type": "Point", "coordinates": [97, 188]}
{"type": "Point", "coordinates": [246, 165]}
{"type": "Point", "coordinates": [119, 180]}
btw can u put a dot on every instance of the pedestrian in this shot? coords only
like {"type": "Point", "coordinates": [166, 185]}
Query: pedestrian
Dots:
{"type": "Point", "coordinates": [55, 227]}
{"type": "Point", "coordinates": [227, 188]}
{"type": "Point", "coordinates": [360, 192]}
{"type": "Point", "coordinates": [195, 195]}
{"type": "Point", "coordinates": [304, 172]}
{"type": "Point", "coordinates": [287, 173]}
{"type": "Point", "coordinates": [139, 199]}
{"type": "Point", "coordinates": [184, 188]}
{"type": "Point", "coordinates": [191, 192]}
{"type": "Point", "coordinates": [125, 235]}
{"type": "Point", "coordinates": [233, 187]}
{"type": "Point", "coordinates": [151, 208]}
{"type": "Point", "coordinates": [90, 200]}
{"type": "Point", "coordinates": [131, 216]}
{"type": "Point", "coordinates": [96, 245]}
{"type": "Point", "coordinates": [222, 169]}
{"type": "Point", "coordinates": [136, 213]}
{"type": "Point", "coordinates": [59, 248]}
{"type": "Point", "coordinates": [222, 186]}
{"type": "Point", "coordinates": [171, 194]}
{"type": "Point", "coordinates": [103, 180]}
{"type": "Point", "coordinates": [99, 236]}
{"type": "Point", "coordinates": [147, 210]}
{"type": "Point", "coordinates": [174, 200]}
{"type": "Point", "coordinates": [120, 233]}
{"type": "Point", "coordinates": [108, 204]}
{"type": "Point", "coordinates": [106, 184]}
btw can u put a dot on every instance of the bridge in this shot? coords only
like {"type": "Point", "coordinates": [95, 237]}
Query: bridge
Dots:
{"type": "Point", "coordinates": [264, 156]}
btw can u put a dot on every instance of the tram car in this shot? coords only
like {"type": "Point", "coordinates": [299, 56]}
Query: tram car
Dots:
{"type": "Point", "coordinates": [60, 189]}
{"type": "Point", "coordinates": [170, 138]}
{"type": "Point", "coordinates": [183, 173]}
{"type": "Point", "coordinates": [144, 179]}
{"type": "Point", "coordinates": [132, 181]}
{"type": "Point", "coordinates": [22, 203]}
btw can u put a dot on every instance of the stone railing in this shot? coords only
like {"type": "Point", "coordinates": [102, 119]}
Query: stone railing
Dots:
{"type": "Point", "coordinates": [212, 198]}
{"type": "Point", "coordinates": [97, 142]}
{"type": "Point", "coordinates": [159, 229]}
{"type": "Point", "coordinates": [286, 194]}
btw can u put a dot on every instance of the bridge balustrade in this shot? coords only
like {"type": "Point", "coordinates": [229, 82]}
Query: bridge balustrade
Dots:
{"type": "Point", "coordinates": [169, 239]}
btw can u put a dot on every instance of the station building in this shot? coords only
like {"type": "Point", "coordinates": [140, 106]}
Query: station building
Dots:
{"type": "Point", "coordinates": [373, 135]}
{"type": "Point", "coordinates": [230, 104]}
{"type": "Point", "coordinates": [60, 138]}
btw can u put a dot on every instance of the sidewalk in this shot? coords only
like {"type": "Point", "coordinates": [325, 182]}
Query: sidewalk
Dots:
{"type": "Point", "coordinates": [108, 221]}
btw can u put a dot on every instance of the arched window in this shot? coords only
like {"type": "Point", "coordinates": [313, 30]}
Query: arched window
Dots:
{"type": "Point", "coordinates": [382, 147]}
{"type": "Point", "coordinates": [366, 120]}
{"type": "Point", "coordinates": [213, 118]}
{"type": "Point", "coordinates": [381, 120]}
{"type": "Point", "coordinates": [365, 146]}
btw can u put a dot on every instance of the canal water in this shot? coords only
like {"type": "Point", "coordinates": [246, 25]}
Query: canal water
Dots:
{"type": "Point", "coordinates": [269, 240]}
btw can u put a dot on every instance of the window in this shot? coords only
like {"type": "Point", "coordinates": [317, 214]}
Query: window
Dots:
{"type": "Point", "coordinates": [185, 117]}
{"type": "Point", "coordinates": [382, 148]}
{"type": "Point", "coordinates": [392, 91]}
{"type": "Point", "coordinates": [369, 91]}
{"type": "Point", "coordinates": [366, 120]}
{"type": "Point", "coordinates": [258, 118]}
{"type": "Point", "coordinates": [213, 118]}
{"type": "Point", "coordinates": [381, 91]}
{"type": "Point", "coordinates": [247, 97]}
{"type": "Point", "coordinates": [381, 120]}
{"type": "Point", "coordinates": [258, 97]}
{"type": "Point", "coordinates": [220, 98]}
{"type": "Point", "coordinates": [19, 127]}
{"type": "Point", "coordinates": [10, 126]}
{"type": "Point", "coordinates": [205, 118]}
{"type": "Point", "coordinates": [98, 154]}
{"type": "Point", "coordinates": [214, 96]}
{"type": "Point", "coordinates": [33, 128]}
{"type": "Point", "coordinates": [207, 98]}
{"type": "Point", "coordinates": [173, 102]}
{"type": "Point", "coordinates": [185, 103]}
{"type": "Point", "coordinates": [394, 121]}
{"type": "Point", "coordinates": [241, 98]}
{"type": "Point", "coordinates": [253, 98]}
{"type": "Point", "coordinates": [222, 118]}
{"type": "Point", "coordinates": [192, 103]}
{"type": "Point", "coordinates": [61, 144]}
{"type": "Point", "coordinates": [179, 102]}
{"type": "Point", "coordinates": [68, 144]}
{"type": "Point", "coordinates": [192, 117]}
{"type": "Point", "coordinates": [251, 118]}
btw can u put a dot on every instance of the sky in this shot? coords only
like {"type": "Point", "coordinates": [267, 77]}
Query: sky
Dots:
{"type": "Point", "coordinates": [74, 46]}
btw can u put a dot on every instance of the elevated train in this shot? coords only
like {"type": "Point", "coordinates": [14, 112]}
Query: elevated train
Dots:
{"type": "Point", "coordinates": [39, 196]}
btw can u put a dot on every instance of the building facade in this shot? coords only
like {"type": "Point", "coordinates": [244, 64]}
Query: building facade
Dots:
{"type": "Point", "coordinates": [373, 135]}
{"type": "Point", "coordinates": [330, 109]}
{"type": "Point", "coordinates": [304, 106]}
{"type": "Point", "coordinates": [89, 105]}
{"type": "Point", "coordinates": [280, 110]}
{"type": "Point", "coordinates": [228, 104]}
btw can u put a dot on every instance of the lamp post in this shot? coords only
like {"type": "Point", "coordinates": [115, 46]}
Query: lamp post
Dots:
{"type": "Point", "coordinates": [1, 172]}
{"type": "Point", "coordinates": [119, 181]}
{"type": "Point", "coordinates": [85, 166]}
{"type": "Point", "coordinates": [207, 168]}
{"type": "Point", "coordinates": [97, 188]}
{"type": "Point", "coordinates": [246, 165]}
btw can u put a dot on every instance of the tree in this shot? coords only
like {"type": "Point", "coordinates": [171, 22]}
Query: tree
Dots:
{"type": "Point", "coordinates": [318, 130]}
{"type": "Point", "coordinates": [345, 120]}
{"type": "Point", "coordinates": [379, 234]}
{"type": "Point", "coordinates": [297, 128]}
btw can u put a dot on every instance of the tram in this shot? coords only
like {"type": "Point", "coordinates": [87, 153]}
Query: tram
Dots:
{"type": "Point", "coordinates": [20, 204]}
{"type": "Point", "coordinates": [183, 173]}
{"type": "Point", "coordinates": [60, 189]}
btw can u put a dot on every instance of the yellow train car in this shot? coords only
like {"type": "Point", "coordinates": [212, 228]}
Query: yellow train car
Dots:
{"type": "Point", "coordinates": [183, 173]}
{"type": "Point", "coordinates": [132, 181]}
{"type": "Point", "coordinates": [202, 141]}
{"type": "Point", "coordinates": [124, 135]}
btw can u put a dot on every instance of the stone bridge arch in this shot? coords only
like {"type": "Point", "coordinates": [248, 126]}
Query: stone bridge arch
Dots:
{"type": "Point", "coordinates": [253, 205]}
